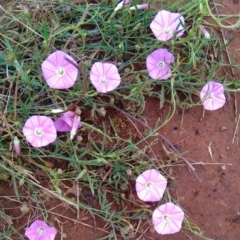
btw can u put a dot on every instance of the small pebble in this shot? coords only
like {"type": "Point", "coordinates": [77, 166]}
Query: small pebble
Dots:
{"type": "Point", "coordinates": [200, 119]}
{"type": "Point", "coordinates": [151, 230]}
{"type": "Point", "coordinates": [223, 128]}
{"type": "Point", "coordinates": [197, 132]}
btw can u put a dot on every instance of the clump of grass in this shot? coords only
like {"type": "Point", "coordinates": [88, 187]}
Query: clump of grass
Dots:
{"type": "Point", "coordinates": [108, 155]}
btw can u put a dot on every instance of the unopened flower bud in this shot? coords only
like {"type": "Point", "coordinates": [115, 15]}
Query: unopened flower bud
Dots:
{"type": "Point", "coordinates": [120, 45]}
{"type": "Point", "coordinates": [25, 209]}
{"type": "Point", "coordinates": [137, 26]}
{"type": "Point", "coordinates": [129, 172]}
{"type": "Point", "coordinates": [119, 6]}
{"type": "Point", "coordinates": [204, 31]}
{"type": "Point", "coordinates": [45, 43]}
{"type": "Point", "coordinates": [26, 12]}
{"type": "Point", "coordinates": [58, 110]}
{"type": "Point", "coordinates": [101, 112]}
{"type": "Point", "coordinates": [102, 160]}
{"type": "Point", "coordinates": [76, 121]}
{"type": "Point", "coordinates": [78, 111]}
{"type": "Point", "coordinates": [137, 47]}
{"type": "Point", "coordinates": [16, 145]}
{"type": "Point", "coordinates": [21, 182]}
{"type": "Point", "coordinates": [111, 101]}
{"type": "Point", "coordinates": [140, 6]}
{"type": "Point", "coordinates": [124, 187]}
{"type": "Point", "coordinates": [79, 139]}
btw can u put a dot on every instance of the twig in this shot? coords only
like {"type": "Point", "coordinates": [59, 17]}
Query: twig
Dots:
{"type": "Point", "coordinates": [210, 151]}
{"type": "Point", "coordinates": [199, 163]}
{"type": "Point", "coordinates": [236, 129]}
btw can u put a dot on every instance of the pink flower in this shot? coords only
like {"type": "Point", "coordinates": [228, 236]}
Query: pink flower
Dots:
{"type": "Point", "coordinates": [166, 24]}
{"type": "Point", "coordinates": [212, 96]}
{"type": "Point", "coordinates": [60, 70]}
{"type": "Point", "coordinates": [16, 145]}
{"type": "Point", "coordinates": [150, 185]}
{"type": "Point", "coordinates": [39, 230]}
{"type": "Point", "coordinates": [68, 122]}
{"type": "Point", "coordinates": [158, 64]}
{"type": "Point", "coordinates": [167, 219]}
{"type": "Point", "coordinates": [104, 77]}
{"type": "Point", "coordinates": [39, 131]}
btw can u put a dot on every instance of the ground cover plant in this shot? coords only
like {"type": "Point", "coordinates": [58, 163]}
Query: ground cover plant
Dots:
{"type": "Point", "coordinates": [74, 80]}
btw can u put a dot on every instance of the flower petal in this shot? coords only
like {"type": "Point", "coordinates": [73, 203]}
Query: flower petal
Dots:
{"type": "Point", "coordinates": [168, 218]}
{"type": "Point", "coordinates": [153, 61]}
{"type": "Point", "coordinates": [55, 62]}
{"type": "Point", "coordinates": [39, 230]}
{"type": "Point", "coordinates": [165, 24]}
{"type": "Point", "coordinates": [150, 185]}
{"type": "Point", "coordinates": [212, 95]}
{"type": "Point", "coordinates": [48, 131]}
{"type": "Point", "coordinates": [104, 77]}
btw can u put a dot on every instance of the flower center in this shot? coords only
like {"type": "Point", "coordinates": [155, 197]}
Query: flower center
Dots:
{"type": "Point", "coordinates": [103, 80]}
{"type": "Point", "coordinates": [166, 31]}
{"type": "Point", "coordinates": [149, 184]}
{"type": "Point", "coordinates": [210, 96]}
{"type": "Point", "coordinates": [160, 64]}
{"type": "Point", "coordinates": [41, 230]}
{"type": "Point", "coordinates": [165, 217]}
{"type": "Point", "coordinates": [38, 131]}
{"type": "Point", "coordinates": [60, 71]}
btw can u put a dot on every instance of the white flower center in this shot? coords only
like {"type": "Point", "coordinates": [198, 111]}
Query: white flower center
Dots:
{"type": "Point", "coordinates": [41, 230]}
{"type": "Point", "coordinates": [149, 184]}
{"type": "Point", "coordinates": [60, 71]}
{"type": "Point", "coordinates": [165, 217]}
{"type": "Point", "coordinates": [210, 96]}
{"type": "Point", "coordinates": [38, 131]}
{"type": "Point", "coordinates": [166, 31]}
{"type": "Point", "coordinates": [103, 80]}
{"type": "Point", "coordinates": [160, 64]}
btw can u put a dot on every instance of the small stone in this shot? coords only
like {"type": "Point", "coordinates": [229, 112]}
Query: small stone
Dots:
{"type": "Point", "coordinates": [129, 172]}
{"type": "Point", "coordinates": [24, 209]}
{"type": "Point", "coordinates": [124, 187]}
{"type": "Point", "coordinates": [151, 230]}
{"type": "Point", "coordinates": [223, 167]}
{"type": "Point", "coordinates": [200, 119]}
{"type": "Point", "coordinates": [223, 128]}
